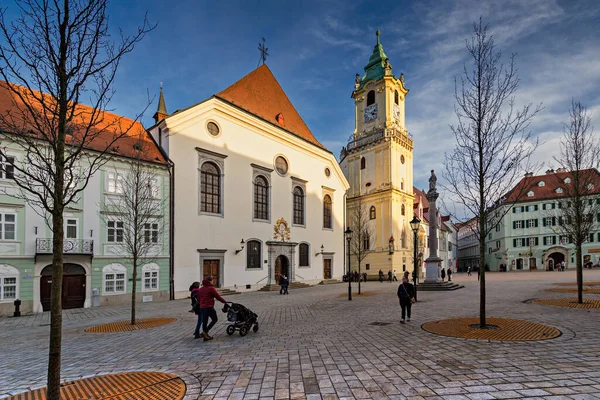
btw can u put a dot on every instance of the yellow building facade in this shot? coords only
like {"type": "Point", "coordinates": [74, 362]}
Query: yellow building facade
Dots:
{"type": "Point", "coordinates": [378, 164]}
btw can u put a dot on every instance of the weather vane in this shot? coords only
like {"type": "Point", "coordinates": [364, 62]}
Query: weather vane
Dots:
{"type": "Point", "coordinates": [264, 52]}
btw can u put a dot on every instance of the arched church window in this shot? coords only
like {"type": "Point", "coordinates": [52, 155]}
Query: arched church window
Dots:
{"type": "Point", "coordinates": [298, 206]}
{"type": "Point", "coordinates": [210, 188]}
{"type": "Point", "coordinates": [327, 217]}
{"type": "Point", "coordinates": [371, 98]}
{"type": "Point", "coordinates": [363, 163]}
{"type": "Point", "coordinates": [261, 198]}
{"type": "Point", "coordinates": [396, 97]}
{"type": "Point", "coordinates": [403, 210]}
{"type": "Point", "coordinates": [372, 213]}
{"type": "Point", "coordinates": [253, 248]}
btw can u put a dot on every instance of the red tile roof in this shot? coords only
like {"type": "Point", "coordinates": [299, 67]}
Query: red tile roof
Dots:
{"type": "Point", "coordinates": [552, 181]}
{"type": "Point", "coordinates": [127, 132]}
{"type": "Point", "coordinates": [420, 196]}
{"type": "Point", "coordinates": [260, 94]}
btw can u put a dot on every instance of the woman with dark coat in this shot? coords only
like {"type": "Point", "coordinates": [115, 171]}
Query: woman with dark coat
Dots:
{"type": "Point", "coordinates": [380, 276]}
{"type": "Point", "coordinates": [406, 294]}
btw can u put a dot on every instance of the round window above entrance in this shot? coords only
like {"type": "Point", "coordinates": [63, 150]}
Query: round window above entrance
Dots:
{"type": "Point", "coordinates": [281, 165]}
{"type": "Point", "coordinates": [213, 129]}
{"type": "Point", "coordinates": [327, 172]}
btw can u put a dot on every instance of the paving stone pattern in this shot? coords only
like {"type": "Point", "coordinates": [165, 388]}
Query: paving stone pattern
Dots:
{"type": "Point", "coordinates": [314, 344]}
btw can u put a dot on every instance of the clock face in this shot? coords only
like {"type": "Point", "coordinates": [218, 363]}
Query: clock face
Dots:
{"type": "Point", "coordinates": [371, 113]}
{"type": "Point", "coordinates": [396, 111]}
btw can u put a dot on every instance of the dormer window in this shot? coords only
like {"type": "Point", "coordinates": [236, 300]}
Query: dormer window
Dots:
{"type": "Point", "coordinates": [541, 184]}
{"type": "Point", "coordinates": [371, 98]}
{"type": "Point", "coordinates": [530, 194]}
{"type": "Point", "coordinates": [567, 180]}
{"type": "Point", "coordinates": [590, 186]}
{"type": "Point", "coordinates": [559, 190]}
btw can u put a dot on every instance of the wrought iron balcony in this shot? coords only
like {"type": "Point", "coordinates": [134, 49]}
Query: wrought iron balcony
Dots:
{"type": "Point", "coordinates": [70, 246]}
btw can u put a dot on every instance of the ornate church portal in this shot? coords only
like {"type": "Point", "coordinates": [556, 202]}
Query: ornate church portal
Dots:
{"type": "Point", "coordinates": [281, 260]}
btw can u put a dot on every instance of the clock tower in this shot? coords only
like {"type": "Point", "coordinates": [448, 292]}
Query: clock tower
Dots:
{"type": "Point", "coordinates": [378, 163]}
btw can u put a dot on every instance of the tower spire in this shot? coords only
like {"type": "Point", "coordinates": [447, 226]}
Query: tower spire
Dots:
{"type": "Point", "coordinates": [161, 111]}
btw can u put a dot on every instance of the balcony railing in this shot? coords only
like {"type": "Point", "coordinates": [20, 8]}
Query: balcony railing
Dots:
{"type": "Point", "coordinates": [70, 246]}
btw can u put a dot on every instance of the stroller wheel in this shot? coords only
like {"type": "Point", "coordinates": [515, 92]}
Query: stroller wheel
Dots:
{"type": "Point", "coordinates": [255, 328]}
{"type": "Point", "coordinates": [230, 330]}
{"type": "Point", "coordinates": [243, 330]}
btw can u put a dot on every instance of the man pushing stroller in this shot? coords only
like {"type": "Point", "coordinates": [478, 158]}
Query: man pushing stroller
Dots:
{"type": "Point", "coordinates": [206, 299]}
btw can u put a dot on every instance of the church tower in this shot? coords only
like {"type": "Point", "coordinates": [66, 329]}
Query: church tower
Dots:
{"type": "Point", "coordinates": [378, 163]}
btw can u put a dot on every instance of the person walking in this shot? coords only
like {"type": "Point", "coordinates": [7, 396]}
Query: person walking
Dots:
{"type": "Point", "coordinates": [286, 284]}
{"type": "Point", "coordinates": [380, 276]}
{"type": "Point", "coordinates": [449, 274]}
{"type": "Point", "coordinates": [206, 298]}
{"type": "Point", "coordinates": [365, 276]}
{"type": "Point", "coordinates": [281, 283]}
{"type": "Point", "coordinates": [469, 270]}
{"type": "Point", "coordinates": [196, 307]}
{"type": "Point", "coordinates": [394, 276]}
{"type": "Point", "coordinates": [406, 295]}
{"type": "Point", "coordinates": [562, 266]}
{"type": "Point", "coordinates": [390, 276]}
{"type": "Point", "coordinates": [443, 272]}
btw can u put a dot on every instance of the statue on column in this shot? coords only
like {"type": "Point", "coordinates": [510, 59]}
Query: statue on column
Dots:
{"type": "Point", "coordinates": [432, 182]}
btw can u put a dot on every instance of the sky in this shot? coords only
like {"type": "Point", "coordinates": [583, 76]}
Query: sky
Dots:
{"type": "Point", "coordinates": [316, 47]}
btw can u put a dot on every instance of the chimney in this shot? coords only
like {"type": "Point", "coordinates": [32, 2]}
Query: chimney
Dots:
{"type": "Point", "coordinates": [161, 112]}
{"type": "Point", "coordinates": [550, 171]}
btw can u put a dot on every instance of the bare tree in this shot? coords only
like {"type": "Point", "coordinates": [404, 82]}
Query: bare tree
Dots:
{"type": "Point", "coordinates": [137, 210]}
{"type": "Point", "coordinates": [53, 56]}
{"type": "Point", "coordinates": [493, 145]}
{"type": "Point", "coordinates": [363, 236]}
{"type": "Point", "coordinates": [580, 157]}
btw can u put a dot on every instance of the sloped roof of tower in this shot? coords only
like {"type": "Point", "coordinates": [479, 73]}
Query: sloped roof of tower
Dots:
{"type": "Point", "coordinates": [260, 94]}
{"type": "Point", "coordinates": [375, 69]}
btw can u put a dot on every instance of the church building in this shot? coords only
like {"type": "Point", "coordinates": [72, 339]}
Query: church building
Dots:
{"type": "Point", "coordinates": [378, 163]}
{"type": "Point", "coordinates": [256, 195]}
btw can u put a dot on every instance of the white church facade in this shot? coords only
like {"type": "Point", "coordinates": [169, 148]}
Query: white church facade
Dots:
{"type": "Point", "coordinates": [257, 196]}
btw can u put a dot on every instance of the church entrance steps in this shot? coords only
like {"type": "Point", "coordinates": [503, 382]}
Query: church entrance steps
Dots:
{"type": "Point", "coordinates": [227, 292]}
{"type": "Point", "coordinates": [438, 286]}
{"type": "Point", "coordinates": [275, 288]}
{"type": "Point", "coordinates": [329, 281]}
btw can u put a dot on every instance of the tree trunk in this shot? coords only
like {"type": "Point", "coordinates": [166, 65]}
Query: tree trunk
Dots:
{"type": "Point", "coordinates": [54, 355]}
{"type": "Point", "coordinates": [133, 290]}
{"type": "Point", "coordinates": [579, 263]}
{"type": "Point", "coordinates": [482, 322]}
{"type": "Point", "coordinates": [359, 277]}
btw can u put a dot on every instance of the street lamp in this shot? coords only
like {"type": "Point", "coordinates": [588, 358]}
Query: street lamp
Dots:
{"type": "Point", "coordinates": [414, 225]}
{"type": "Point", "coordinates": [348, 234]}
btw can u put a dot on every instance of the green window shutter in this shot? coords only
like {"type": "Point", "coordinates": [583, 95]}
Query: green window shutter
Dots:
{"type": "Point", "coordinates": [553, 239]}
{"type": "Point", "coordinates": [544, 222]}
{"type": "Point", "coordinates": [591, 237]}
{"type": "Point", "coordinates": [514, 224]}
{"type": "Point", "coordinates": [570, 239]}
{"type": "Point", "coordinates": [537, 241]}
{"type": "Point", "coordinates": [599, 236]}
{"type": "Point", "coordinates": [553, 206]}
{"type": "Point", "coordinates": [536, 222]}
{"type": "Point", "coordinates": [535, 208]}
{"type": "Point", "coordinates": [560, 220]}
{"type": "Point", "coordinates": [598, 217]}
{"type": "Point", "coordinates": [544, 240]}
{"type": "Point", "coordinates": [553, 221]}
{"type": "Point", "coordinates": [544, 206]}
{"type": "Point", "coordinates": [514, 210]}
{"type": "Point", "coordinates": [514, 242]}
{"type": "Point", "coordinates": [598, 200]}
{"type": "Point", "coordinates": [559, 204]}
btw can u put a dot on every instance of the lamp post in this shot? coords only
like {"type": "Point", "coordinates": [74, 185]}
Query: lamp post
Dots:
{"type": "Point", "coordinates": [348, 234]}
{"type": "Point", "coordinates": [414, 224]}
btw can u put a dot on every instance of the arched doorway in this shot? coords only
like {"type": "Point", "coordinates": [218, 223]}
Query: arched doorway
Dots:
{"type": "Point", "coordinates": [555, 259]}
{"type": "Point", "coordinates": [73, 287]}
{"type": "Point", "coordinates": [282, 267]}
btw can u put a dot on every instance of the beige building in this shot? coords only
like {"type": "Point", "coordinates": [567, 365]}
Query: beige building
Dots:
{"type": "Point", "coordinates": [378, 163]}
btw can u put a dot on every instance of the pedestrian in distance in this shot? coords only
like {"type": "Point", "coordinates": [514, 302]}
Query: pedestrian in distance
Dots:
{"type": "Point", "coordinates": [469, 271]}
{"type": "Point", "coordinates": [194, 288]}
{"type": "Point", "coordinates": [443, 272]}
{"type": "Point", "coordinates": [365, 276]}
{"type": "Point", "coordinates": [394, 276]}
{"type": "Point", "coordinates": [406, 295]}
{"type": "Point", "coordinates": [206, 298]}
{"type": "Point", "coordinates": [562, 266]}
{"type": "Point", "coordinates": [286, 284]}
{"type": "Point", "coordinates": [449, 274]}
{"type": "Point", "coordinates": [356, 276]}
{"type": "Point", "coordinates": [380, 276]}
{"type": "Point", "coordinates": [390, 276]}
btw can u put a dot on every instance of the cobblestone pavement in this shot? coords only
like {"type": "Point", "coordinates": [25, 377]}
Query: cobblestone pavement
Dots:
{"type": "Point", "coordinates": [314, 344]}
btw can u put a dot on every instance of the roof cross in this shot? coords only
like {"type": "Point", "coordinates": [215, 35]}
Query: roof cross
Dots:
{"type": "Point", "coordinates": [263, 52]}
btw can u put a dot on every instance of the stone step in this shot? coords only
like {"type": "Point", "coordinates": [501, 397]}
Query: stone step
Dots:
{"type": "Point", "coordinates": [227, 292]}
{"type": "Point", "coordinates": [276, 288]}
{"type": "Point", "coordinates": [329, 281]}
{"type": "Point", "coordinates": [438, 286]}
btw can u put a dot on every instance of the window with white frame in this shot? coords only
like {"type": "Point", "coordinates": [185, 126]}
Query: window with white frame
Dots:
{"type": "Point", "coordinates": [518, 224]}
{"type": "Point", "coordinates": [71, 228]}
{"type": "Point", "coordinates": [548, 221]}
{"type": "Point", "coordinates": [7, 170]}
{"type": "Point", "coordinates": [151, 232]}
{"type": "Point", "coordinates": [114, 182]}
{"type": "Point", "coordinates": [114, 230]}
{"type": "Point", "coordinates": [153, 189]}
{"type": "Point", "coordinates": [115, 279]}
{"type": "Point", "coordinates": [8, 226]}
{"type": "Point", "coordinates": [520, 242]}
{"type": "Point", "coordinates": [9, 283]}
{"type": "Point", "coordinates": [531, 223]}
{"type": "Point", "coordinates": [151, 273]}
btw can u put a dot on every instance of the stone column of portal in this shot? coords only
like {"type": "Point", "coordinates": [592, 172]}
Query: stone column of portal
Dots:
{"type": "Point", "coordinates": [433, 262]}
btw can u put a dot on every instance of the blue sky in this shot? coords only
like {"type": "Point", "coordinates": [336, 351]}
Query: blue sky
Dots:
{"type": "Point", "coordinates": [316, 48]}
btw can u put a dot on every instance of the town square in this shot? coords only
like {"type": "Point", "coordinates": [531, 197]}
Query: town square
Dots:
{"type": "Point", "coordinates": [326, 200]}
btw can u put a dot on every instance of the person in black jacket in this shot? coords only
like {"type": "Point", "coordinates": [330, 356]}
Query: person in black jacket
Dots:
{"type": "Point", "coordinates": [406, 294]}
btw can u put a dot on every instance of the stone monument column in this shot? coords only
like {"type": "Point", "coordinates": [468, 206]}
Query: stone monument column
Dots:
{"type": "Point", "coordinates": [433, 262]}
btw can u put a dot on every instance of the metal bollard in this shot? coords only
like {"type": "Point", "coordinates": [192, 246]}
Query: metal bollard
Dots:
{"type": "Point", "coordinates": [17, 304]}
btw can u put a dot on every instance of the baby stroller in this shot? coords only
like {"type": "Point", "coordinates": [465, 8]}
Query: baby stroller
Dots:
{"type": "Point", "coordinates": [241, 318]}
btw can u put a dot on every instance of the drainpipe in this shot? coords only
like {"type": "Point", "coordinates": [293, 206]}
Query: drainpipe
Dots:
{"type": "Point", "coordinates": [344, 229]}
{"type": "Point", "coordinates": [171, 230]}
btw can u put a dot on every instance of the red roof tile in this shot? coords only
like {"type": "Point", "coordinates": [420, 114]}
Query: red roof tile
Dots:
{"type": "Point", "coordinates": [110, 126]}
{"type": "Point", "coordinates": [260, 94]}
{"type": "Point", "coordinates": [552, 181]}
{"type": "Point", "coordinates": [420, 196]}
